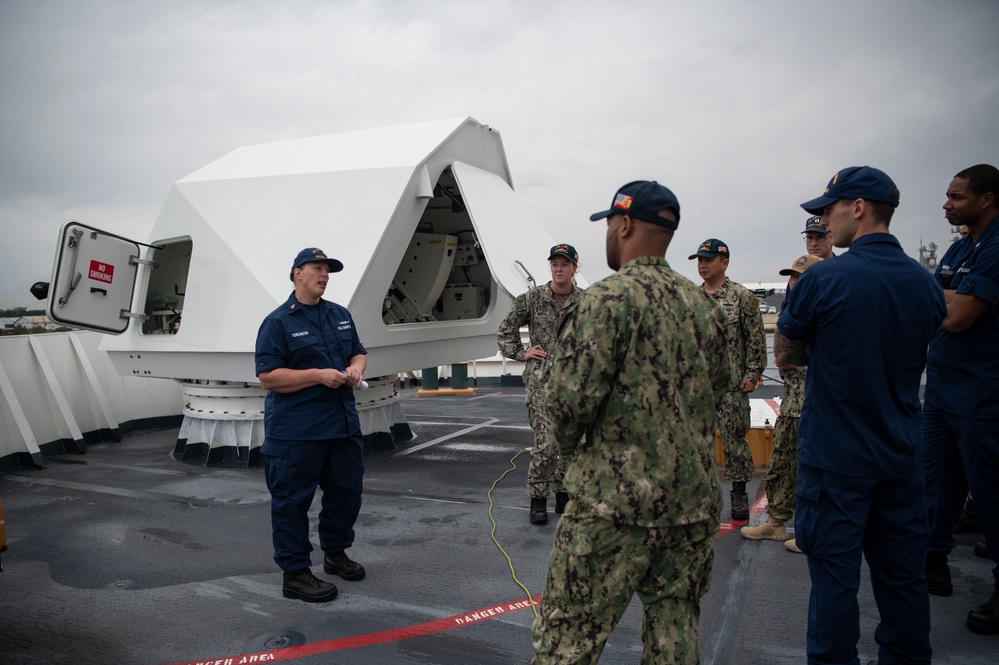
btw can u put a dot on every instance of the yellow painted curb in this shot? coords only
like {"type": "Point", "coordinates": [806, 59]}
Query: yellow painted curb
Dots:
{"type": "Point", "coordinates": [446, 391]}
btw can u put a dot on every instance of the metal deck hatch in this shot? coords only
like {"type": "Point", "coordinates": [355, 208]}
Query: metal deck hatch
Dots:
{"type": "Point", "coordinates": [93, 279]}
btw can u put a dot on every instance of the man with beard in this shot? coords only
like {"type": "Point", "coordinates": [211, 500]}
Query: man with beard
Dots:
{"type": "Point", "coordinates": [961, 410]}
{"type": "Point", "coordinates": [635, 370]}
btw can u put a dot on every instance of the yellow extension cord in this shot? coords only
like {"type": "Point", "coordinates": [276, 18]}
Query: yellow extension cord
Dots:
{"type": "Point", "coordinates": [513, 573]}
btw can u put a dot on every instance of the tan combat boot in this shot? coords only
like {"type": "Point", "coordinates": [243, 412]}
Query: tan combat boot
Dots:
{"type": "Point", "coordinates": [792, 546]}
{"type": "Point", "coordinates": [772, 529]}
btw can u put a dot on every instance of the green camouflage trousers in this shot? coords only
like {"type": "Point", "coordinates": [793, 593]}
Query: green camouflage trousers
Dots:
{"type": "Point", "coordinates": [547, 467]}
{"type": "Point", "coordinates": [783, 468]}
{"type": "Point", "coordinates": [733, 423]}
{"type": "Point", "coordinates": [596, 567]}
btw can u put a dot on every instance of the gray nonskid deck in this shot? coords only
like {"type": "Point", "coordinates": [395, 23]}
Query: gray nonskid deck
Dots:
{"type": "Point", "coordinates": [124, 555]}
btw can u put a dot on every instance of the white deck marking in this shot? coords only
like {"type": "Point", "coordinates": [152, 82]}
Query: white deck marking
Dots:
{"type": "Point", "coordinates": [462, 432]}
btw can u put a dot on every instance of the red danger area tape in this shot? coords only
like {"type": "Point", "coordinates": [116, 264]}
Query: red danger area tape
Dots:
{"type": "Point", "coordinates": [393, 635]}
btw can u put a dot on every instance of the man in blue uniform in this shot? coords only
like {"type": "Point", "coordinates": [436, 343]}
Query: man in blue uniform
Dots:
{"type": "Point", "coordinates": [862, 324]}
{"type": "Point", "coordinates": [817, 240]}
{"type": "Point", "coordinates": [309, 358]}
{"type": "Point", "coordinates": [961, 412]}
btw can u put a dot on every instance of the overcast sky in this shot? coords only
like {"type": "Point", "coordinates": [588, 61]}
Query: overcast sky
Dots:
{"type": "Point", "coordinates": [745, 109]}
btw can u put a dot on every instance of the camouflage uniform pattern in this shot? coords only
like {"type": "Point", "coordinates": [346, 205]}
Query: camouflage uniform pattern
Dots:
{"type": "Point", "coordinates": [747, 354]}
{"type": "Point", "coordinates": [547, 467]}
{"type": "Point", "coordinates": [540, 312]}
{"type": "Point", "coordinates": [783, 468]}
{"type": "Point", "coordinates": [624, 560]}
{"type": "Point", "coordinates": [635, 371]}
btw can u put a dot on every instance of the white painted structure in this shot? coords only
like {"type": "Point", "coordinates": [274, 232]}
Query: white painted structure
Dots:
{"type": "Point", "coordinates": [424, 218]}
{"type": "Point", "coordinates": [56, 387]}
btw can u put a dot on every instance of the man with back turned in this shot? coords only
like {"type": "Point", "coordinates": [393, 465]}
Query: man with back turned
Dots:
{"type": "Point", "coordinates": [636, 370]}
{"type": "Point", "coordinates": [861, 320]}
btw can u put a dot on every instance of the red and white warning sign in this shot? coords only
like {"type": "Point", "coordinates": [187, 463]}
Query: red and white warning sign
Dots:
{"type": "Point", "coordinates": [101, 272]}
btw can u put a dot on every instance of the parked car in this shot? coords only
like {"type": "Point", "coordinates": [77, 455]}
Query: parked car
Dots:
{"type": "Point", "coordinates": [771, 310]}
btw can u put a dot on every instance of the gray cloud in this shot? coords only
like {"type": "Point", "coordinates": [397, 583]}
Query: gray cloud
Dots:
{"type": "Point", "coordinates": [743, 109]}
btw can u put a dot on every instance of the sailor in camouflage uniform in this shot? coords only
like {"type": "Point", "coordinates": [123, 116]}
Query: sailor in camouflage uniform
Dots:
{"type": "Point", "coordinates": [747, 353]}
{"type": "Point", "coordinates": [783, 465]}
{"type": "Point", "coordinates": [540, 309]}
{"type": "Point", "coordinates": [635, 371]}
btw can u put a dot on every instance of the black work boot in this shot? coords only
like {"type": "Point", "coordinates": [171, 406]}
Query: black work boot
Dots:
{"type": "Point", "coordinates": [539, 511]}
{"type": "Point", "coordinates": [302, 584]}
{"type": "Point", "coordinates": [984, 619]}
{"type": "Point", "coordinates": [740, 501]}
{"type": "Point", "coordinates": [969, 519]}
{"type": "Point", "coordinates": [340, 564]}
{"type": "Point", "coordinates": [561, 498]}
{"type": "Point", "coordinates": [938, 574]}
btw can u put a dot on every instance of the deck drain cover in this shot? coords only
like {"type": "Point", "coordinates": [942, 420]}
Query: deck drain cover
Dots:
{"type": "Point", "coordinates": [275, 640]}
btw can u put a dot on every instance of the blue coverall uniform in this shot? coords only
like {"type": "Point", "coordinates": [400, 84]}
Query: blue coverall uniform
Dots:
{"type": "Point", "coordinates": [961, 410]}
{"type": "Point", "coordinates": [869, 316]}
{"type": "Point", "coordinates": [312, 437]}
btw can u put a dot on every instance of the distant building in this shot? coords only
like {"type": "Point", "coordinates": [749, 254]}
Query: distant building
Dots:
{"type": "Point", "coordinates": [928, 255]}
{"type": "Point", "coordinates": [39, 321]}
{"type": "Point", "coordinates": [7, 322]}
{"type": "Point", "coordinates": [770, 294]}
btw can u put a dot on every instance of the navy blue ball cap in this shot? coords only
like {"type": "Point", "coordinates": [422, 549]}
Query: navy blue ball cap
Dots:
{"type": "Point", "coordinates": [566, 250]}
{"type": "Point", "coordinates": [711, 248]}
{"type": "Point", "coordinates": [855, 182]}
{"type": "Point", "coordinates": [311, 254]}
{"type": "Point", "coordinates": [643, 199]}
{"type": "Point", "coordinates": [814, 225]}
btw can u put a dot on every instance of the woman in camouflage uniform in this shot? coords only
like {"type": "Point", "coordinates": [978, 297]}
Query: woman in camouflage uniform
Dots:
{"type": "Point", "coordinates": [541, 309]}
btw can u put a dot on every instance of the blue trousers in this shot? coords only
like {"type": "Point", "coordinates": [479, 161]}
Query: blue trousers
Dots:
{"type": "Point", "coordinates": [293, 471]}
{"type": "Point", "coordinates": [838, 519]}
{"type": "Point", "coordinates": [961, 453]}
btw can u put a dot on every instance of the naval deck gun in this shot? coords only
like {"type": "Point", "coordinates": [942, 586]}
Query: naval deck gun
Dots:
{"type": "Point", "coordinates": [424, 218]}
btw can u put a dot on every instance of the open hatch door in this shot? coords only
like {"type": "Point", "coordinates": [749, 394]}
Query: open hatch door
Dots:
{"type": "Point", "coordinates": [93, 280]}
{"type": "Point", "coordinates": [500, 219]}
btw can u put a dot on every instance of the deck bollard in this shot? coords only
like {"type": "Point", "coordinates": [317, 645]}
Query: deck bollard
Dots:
{"type": "Point", "coordinates": [430, 380]}
{"type": "Point", "coordinates": [459, 376]}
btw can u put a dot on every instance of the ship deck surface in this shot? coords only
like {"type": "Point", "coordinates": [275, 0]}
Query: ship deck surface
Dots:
{"type": "Point", "coordinates": [124, 555]}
